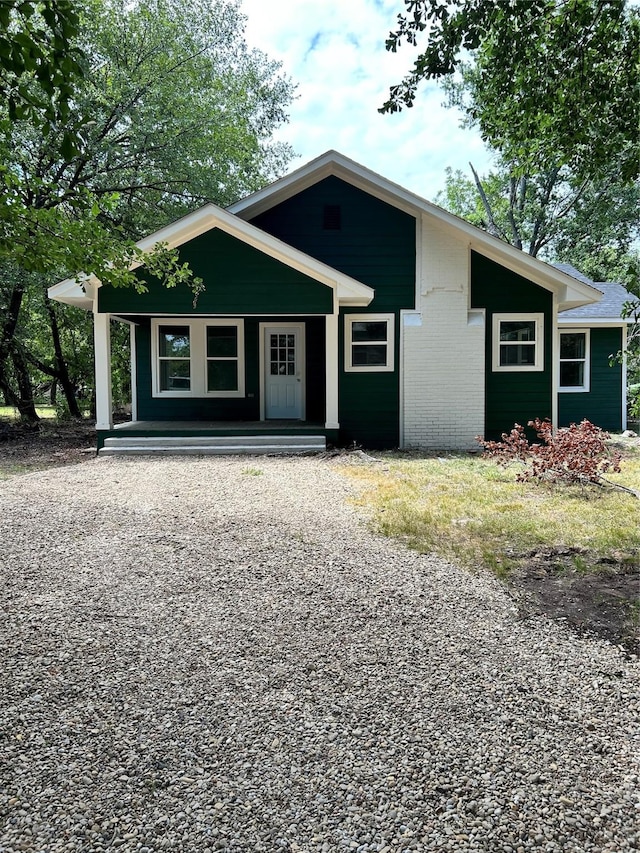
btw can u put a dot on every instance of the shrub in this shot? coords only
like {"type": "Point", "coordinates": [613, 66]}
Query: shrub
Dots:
{"type": "Point", "coordinates": [573, 454]}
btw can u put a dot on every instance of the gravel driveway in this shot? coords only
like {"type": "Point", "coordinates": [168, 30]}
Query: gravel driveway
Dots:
{"type": "Point", "coordinates": [199, 656]}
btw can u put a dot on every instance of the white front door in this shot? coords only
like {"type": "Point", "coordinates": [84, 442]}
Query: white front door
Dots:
{"type": "Point", "coordinates": [284, 372]}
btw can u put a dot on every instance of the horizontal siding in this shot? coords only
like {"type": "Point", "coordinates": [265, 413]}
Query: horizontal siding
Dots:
{"type": "Point", "coordinates": [602, 404]}
{"type": "Point", "coordinates": [376, 243]}
{"type": "Point", "coordinates": [220, 409]}
{"type": "Point", "coordinates": [369, 403]}
{"type": "Point", "coordinates": [238, 279]}
{"type": "Point", "coordinates": [516, 397]}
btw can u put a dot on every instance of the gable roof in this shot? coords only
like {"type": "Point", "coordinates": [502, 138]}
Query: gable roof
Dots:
{"type": "Point", "coordinates": [570, 292]}
{"type": "Point", "coordinates": [80, 291]}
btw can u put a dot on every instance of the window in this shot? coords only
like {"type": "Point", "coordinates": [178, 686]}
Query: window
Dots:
{"type": "Point", "coordinates": [518, 342]}
{"type": "Point", "coordinates": [574, 361]}
{"type": "Point", "coordinates": [369, 343]}
{"type": "Point", "coordinates": [198, 358]}
{"type": "Point", "coordinates": [222, 358]}
{"type": "Point", "coordinates": [174, 356]}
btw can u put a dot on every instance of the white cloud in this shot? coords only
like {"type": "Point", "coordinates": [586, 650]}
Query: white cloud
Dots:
{"type": "Point", "coordinates": [334, 50]}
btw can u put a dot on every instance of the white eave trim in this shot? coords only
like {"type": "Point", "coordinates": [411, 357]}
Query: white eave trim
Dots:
{"type": "Point", "coordinates": [570, 292]}
{"type": "Point", "coordinates": [595, 321]}
{"type": "Point", "coordinates": [80, 292]}
{"type": "Point", "coordinates": [350, 292]}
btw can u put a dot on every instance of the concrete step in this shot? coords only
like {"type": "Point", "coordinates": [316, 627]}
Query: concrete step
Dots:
{"type": "Point", "coordinates": [222, 445]}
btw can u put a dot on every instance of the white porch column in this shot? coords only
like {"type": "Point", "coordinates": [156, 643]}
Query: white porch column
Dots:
{"type": "Point", "coordinates": [102, 344]}
{"type": "Point", "coordinates": [331, 358]}
{"type": "Point", "coordinates": [134, 372]}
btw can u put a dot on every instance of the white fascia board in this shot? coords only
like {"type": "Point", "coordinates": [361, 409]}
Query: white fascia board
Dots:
{"type": "Point", "coordinates": [350, 291]}
{"type": "Point", "coordinates": [80, 292]}
{"type": "Point", "coordinates": [602, 322]}
{"type": "Point", "coordinates": [570, 292]}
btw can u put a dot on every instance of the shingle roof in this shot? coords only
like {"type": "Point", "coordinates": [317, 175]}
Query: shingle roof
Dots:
{"type": "Point", "coordinates": [614, 296]}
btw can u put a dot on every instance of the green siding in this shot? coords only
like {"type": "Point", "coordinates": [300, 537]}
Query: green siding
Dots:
{"type": "Point", "coordinates": [516, 397]}
{"type": "Point", "coordinates": [376, 244]}
{"type": "Point", "coordinates": [369, 403]}
{"type": "Point", "coordinates": [602, 404]}
{"type": "Point", "coordinates": [238, 280]}
{"type": "Point", "coordinates": [231, 409]}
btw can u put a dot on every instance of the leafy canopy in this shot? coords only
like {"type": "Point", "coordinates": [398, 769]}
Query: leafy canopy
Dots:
{"type": "Point", "coordinates": [552, 81]}
{"type": "Point", "coordinates": [173, 111]}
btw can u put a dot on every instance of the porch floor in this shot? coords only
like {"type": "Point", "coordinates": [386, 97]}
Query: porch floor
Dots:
{"type": "Point", "coordinates": [222, 427]}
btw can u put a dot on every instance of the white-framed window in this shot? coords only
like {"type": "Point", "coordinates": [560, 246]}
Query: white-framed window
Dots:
{"type": "Point", "coordinates": [518, 342]}
{"type": "Point", "coordinates": [369, 343]}
{"type": "Point", "coordinates": [574, 361]}
{"type": "Point", "coordinates": [201, 357]}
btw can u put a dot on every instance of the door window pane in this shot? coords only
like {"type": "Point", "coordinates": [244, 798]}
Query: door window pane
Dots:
{"type": "Point", "coordinates": [282, 355]}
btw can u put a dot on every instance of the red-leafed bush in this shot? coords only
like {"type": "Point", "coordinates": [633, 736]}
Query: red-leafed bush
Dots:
{"type": "Point", "coordinates": [573, 454]}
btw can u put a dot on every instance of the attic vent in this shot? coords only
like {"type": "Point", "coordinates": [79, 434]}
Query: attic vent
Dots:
{"type": "Point", "coordinates": [331, 218]}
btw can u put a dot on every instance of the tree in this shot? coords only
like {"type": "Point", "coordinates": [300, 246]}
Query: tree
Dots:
{"type": "Point", "coordinates": [38, 62]}
{"type": "Point", "coordinates": [173, 111]}
{"type": "Point", "coordinates": [592, 225]}
{"type": "Point", "coordinates": [553, 83]}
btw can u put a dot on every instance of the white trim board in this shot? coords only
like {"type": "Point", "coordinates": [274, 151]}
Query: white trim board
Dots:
{"type": "Point", "coordinates": [571, 292]}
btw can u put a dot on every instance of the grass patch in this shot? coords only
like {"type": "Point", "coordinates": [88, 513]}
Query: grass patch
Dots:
{"type": "Point", "coordinates": [11, 414]}
{"type": "Point", "coordinates": [469, 509]}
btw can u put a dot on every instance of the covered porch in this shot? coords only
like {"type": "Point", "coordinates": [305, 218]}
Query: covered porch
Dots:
{"type": "Point", "coordinates": [215, 437]}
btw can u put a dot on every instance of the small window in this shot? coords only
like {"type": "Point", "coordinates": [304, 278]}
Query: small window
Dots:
{"type": "Point", "coordinates": [518, 342]}
{"type": "Point", "coordinates": [574, 361]}
{"type": "Point", "coordinates": [369, 343]}
{"type": "Point", "coordinates": [174, 356]}
{"type": "Point", "coordinates": [332, 217]}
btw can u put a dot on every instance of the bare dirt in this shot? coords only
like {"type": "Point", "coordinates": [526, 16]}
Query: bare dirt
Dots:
{"type": "Point", "coordinates": [589, 595]}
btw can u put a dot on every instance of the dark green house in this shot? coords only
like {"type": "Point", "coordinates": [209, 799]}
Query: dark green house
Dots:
{"type": "Point", "coordinates": [340, 305]}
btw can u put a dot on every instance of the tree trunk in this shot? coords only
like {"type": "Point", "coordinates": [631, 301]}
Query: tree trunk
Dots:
{"type": "Point", "coordinates": [24, 401]}
{"type": "Point", "coordinates": [62, 372]}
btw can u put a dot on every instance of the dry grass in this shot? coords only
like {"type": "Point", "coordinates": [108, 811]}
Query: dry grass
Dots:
{"type": "Point", "coordinates": [470, 509]}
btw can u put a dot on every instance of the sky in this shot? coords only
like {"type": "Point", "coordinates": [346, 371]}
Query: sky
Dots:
{"type": "Point", "coordinates": [334, 51]}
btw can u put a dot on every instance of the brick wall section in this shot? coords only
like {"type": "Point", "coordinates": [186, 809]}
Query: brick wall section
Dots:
{"type": "Point", "coordinates": [443, 378]}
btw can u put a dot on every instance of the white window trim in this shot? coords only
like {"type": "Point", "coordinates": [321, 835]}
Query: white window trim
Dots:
{"type": "Point", "coordinates": [349, 320]}
{"type": "Point", "coordinates": [576, 389]}
{"type": "Point", "coordinates": [538, 364]}
{"type": "Point", "coordinates": [198, 358]}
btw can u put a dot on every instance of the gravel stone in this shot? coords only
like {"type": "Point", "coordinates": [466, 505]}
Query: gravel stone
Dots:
{"type": "Point", "coordinates": [204, 654]}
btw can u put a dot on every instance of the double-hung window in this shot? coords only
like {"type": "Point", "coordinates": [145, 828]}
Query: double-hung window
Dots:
{"type": "Point", "coordinates": [574, 360]}
{"type": "Point", "coordinates": [369, 343]}
{"type": "Point", "coordinates": [198, 358]}
{"type": "Point", "coordinates": [174, 358]}
{"type": "Point", "coordinates": [518, 342]}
